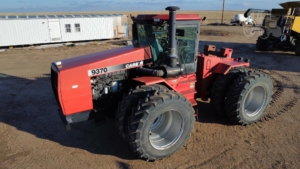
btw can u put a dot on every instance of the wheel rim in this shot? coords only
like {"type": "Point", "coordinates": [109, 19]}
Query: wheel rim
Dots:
{"type": "Point", "coordinates": [255, 101]}
{"type": "Point", "coordinates": [166, 130]}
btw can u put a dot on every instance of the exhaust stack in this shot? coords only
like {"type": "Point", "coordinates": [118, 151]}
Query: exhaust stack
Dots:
{"type": "Point", "coordinates": [172, 57]}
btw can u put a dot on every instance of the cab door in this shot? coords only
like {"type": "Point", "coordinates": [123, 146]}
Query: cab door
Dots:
{"type": "Point", "coordinates": [187, 45]}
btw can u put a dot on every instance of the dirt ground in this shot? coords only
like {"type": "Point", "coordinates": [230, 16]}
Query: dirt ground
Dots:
{"type": "Point", "coordinates": [32, 135]}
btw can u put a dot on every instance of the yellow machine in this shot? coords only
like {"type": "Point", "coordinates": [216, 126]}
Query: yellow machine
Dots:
{"type": "Point", "coordinates": [281, 27]}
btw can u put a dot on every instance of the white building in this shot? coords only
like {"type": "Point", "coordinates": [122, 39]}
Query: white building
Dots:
{"type": "Point", "coordinates": [40, 29]}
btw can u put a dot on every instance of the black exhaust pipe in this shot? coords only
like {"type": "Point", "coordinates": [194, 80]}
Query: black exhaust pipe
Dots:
{"type": "Point", "coordinates": [172, 57]}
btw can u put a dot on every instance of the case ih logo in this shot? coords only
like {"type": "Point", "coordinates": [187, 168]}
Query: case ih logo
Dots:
{"type": "Point", "coordinates": [135, 64]}
{"type": "Point", "coordinates": [109, 69]}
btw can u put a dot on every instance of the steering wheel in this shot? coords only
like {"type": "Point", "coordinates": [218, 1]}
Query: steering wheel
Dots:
{"type": "Point", "coordinates": [164, 43]}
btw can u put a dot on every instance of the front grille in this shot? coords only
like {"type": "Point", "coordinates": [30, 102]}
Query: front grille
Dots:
{"type": "Point", "coordinates": [54, 83]}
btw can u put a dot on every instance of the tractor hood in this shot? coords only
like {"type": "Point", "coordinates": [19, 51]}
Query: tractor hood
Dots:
{"type": "Point", "coordinates": [106, 58]}
{"type": "Point", "coordinates": [71, 78]}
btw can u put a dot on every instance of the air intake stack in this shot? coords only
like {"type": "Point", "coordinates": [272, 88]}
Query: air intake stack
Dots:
{"type": "Point", "coordinates": [172, 57]}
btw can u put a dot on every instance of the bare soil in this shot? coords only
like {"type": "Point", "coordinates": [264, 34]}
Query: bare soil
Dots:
{"type": "Point", "coordinates": [32, 135]}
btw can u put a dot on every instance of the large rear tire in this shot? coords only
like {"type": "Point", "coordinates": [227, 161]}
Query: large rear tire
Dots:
{"type": "Point", "coordinates": [130, 100]}
{"type": "Point", "coordinates": [248, 98]}
{"type": "Point", "coordinates": [220, 87]}
{"type": "Point", "coordinates": [262, 44]}
{"type": "Point", "coordinates": [160, 125]}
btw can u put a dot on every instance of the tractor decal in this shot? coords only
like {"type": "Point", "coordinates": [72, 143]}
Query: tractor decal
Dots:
{"type": "Point", "coordinates": [109, 69]}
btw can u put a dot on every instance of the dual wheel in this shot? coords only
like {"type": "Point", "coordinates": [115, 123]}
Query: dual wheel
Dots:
{"type": "Point", "coordinates": [242, 95]}
{"type": "Point", "coordinates": [157, 122]}
{"type": "Point", "coordinates": [154, 121]}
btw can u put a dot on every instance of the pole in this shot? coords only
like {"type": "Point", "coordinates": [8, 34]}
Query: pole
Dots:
{"type": "Point", "coordinates": [223, 13]}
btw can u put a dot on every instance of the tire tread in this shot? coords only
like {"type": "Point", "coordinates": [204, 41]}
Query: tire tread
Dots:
{"type": "Point", "coordinates": [237, 91]}
{"type": "Point", "coordinates": [136, 120]}
{"type": "Point", "coordinates": [220, 88]}
{"type": "Point", "coordinates": [129, 100]}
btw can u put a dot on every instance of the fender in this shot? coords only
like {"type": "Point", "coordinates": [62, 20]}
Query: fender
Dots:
{"type": "Point", "coordinates": [224, 67]}
{"type": "Point", "coordinates": [184, 85]}
{"type": "Point", "coordinates": [211, 63]}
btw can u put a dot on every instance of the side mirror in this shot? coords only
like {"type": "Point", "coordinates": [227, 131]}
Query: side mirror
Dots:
{"type": "Point", "coordinates": [204, 18]}
{"type": "Point", "coordinates": [179, 32]}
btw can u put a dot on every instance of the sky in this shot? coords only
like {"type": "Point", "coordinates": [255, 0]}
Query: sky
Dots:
{"type": "Point", "coordinates": [12, 6]}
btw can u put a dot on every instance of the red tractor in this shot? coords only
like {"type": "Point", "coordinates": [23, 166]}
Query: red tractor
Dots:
{"type": "Point", "coordinates": [151, 88]}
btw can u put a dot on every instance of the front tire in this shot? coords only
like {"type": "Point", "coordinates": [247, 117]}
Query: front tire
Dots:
{"type": "Point", "coordinates": [129, 101]}
{"type": "Point", "coordinates": [248, 98]}
{"type": "Point", "coordinates": [262, 44]}
{"type": "Point", "coordinates": [160, 125]}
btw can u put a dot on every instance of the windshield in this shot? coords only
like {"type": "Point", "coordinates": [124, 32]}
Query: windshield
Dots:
{"type": "Point", "coordinates": [156, 36]}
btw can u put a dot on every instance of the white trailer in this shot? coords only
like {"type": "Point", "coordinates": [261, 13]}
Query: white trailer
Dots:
{"type": "Point", "coordinates": [239, 19]}
{"type": "Point", "coordinates": [42, 29]}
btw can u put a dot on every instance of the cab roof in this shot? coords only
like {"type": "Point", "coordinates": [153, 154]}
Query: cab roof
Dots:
{"type": "Point", "coordinates": [179, 17]}
{"type": "Point", "coordinates": [290, 4]}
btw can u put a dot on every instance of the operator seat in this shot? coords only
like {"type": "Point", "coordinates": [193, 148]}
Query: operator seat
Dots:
{"type": "Point", "coordinates": [156, 49]}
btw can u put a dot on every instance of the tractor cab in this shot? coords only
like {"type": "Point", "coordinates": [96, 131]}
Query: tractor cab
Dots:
{"type": "Point", "coordinates": [154, 31]}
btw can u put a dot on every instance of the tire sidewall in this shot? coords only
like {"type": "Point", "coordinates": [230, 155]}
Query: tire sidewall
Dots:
{"type": "Point", "coordinates": [220, 89]}
{"type": "Point", "coordinates": [131, 100]}
{"type": "Point", "coordinates": [258, 82]}
{"type": "Point", "coordinates": [187, 116]}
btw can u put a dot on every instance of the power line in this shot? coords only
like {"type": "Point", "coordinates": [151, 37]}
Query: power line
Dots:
{"type": "Point", "coordinates": [222, 22]}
